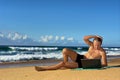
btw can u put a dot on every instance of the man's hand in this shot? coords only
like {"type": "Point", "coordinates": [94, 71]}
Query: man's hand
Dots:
{"type": "Point", "coordinates": [99, 37]}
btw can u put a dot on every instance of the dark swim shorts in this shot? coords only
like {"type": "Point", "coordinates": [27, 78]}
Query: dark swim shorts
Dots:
{"type": "Point", "coordinates": [78, 60]}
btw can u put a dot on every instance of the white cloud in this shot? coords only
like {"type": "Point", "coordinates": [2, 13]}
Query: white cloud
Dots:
{"type": "Point", "coordinates": [56, 38]}
{"type": "Point", "coordinates": [43, 39]}
{"type": "Point", "coordinates": [70, 39]}
{"type": "Point", "coordinates": [25, 37]}
{"type": "Point", "coordinates": [18, 36]}
{"type": "Point", "coordinates": [46, 38]}
{"type": "Point", "coordinates": [1, 35]}
{"type": "Point", "coordinates": [62, 38]}
{"type": "Point", "coordinates": [9, 35]}
{"type": "Point", "coordinates": [14, 38]}
{"type": "Point", "coordinates": [50, 37]}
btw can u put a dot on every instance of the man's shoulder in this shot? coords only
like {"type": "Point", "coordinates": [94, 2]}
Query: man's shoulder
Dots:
{"type": "Point", "coordinates": [102, 51]}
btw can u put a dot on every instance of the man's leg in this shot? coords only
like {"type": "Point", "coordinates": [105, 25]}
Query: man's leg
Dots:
{"type": "Point", "coordinates": [69, 65]}
{"type": "Point", "coordinates": [53, 67]}
{"type": "Point", "coordinates": [66, 53]}
{"type": "Point", "coordinates": [69, 53]}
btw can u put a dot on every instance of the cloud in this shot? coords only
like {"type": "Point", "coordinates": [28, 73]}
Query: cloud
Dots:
{"type": "Point", "coordinates": [1, 35]}
{"type": "Point", "coordinates": [56, 39]}
{"type": "Point", "coordinates": [43, 39]}
{"type": "Point", "coordinates": [46, 38]}
{"type": "Point", "coordinates": [70, 39]}
{"type": "Point", "coordinates": [15, 38]}
{"type": "Point", "coordinates": [62, 38]}
{"type": "Point", "coordinates": [25, 37]}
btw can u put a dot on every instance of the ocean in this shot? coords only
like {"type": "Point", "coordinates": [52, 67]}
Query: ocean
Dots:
{"type": "Point", "coordinates": [28, 53]}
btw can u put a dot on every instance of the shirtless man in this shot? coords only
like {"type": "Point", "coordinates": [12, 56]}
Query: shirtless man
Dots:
{"type": "Point", "coordinates": [95, 51]}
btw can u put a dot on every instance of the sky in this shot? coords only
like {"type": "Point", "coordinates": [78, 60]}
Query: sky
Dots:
{"type": "Point", "coordinates": [68, 18]}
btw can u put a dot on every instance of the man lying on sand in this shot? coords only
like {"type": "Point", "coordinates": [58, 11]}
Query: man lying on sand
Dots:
{"type": "Point", "coordinates": [95, 51]}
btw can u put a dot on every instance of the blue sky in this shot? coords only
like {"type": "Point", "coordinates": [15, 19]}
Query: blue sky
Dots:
{"type": "Point", "coordinates": [69, 18]}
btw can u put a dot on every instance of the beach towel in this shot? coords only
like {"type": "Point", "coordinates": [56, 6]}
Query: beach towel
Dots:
{"type": "Point", "coordinates": [117, 66]}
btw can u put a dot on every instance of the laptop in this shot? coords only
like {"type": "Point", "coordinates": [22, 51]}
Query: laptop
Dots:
{"type": "Point", "coordinates": [91, 63]}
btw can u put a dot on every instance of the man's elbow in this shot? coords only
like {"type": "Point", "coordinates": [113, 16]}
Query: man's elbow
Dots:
{"type": "Point", "coordinates": [104, 65]}
{"type": "Point", "coordinates": [85, 38]}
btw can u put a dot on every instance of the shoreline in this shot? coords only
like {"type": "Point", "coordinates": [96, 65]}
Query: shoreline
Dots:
{"type": "Point", "coordinates": [30, 63]}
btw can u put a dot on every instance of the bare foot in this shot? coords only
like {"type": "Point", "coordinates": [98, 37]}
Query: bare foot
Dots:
{"type": "Point", "coordinates": [39, 68]}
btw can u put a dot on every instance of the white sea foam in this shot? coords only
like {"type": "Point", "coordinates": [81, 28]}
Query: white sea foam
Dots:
{"type": "Point", "coordinates": [35, 53]}
{"type": "Point", "coordinates": [112, 49]}
{"type": "Point", "coordinates": [34, 48]}
{"type": "Point", "coordinates": [79, 48]}
{"type": "Point", "coordinates": [20, 57]}
{"type": "Point", "coordinates": [113, 53]}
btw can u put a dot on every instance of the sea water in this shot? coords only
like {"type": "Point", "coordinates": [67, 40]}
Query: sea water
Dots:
{"type": "Point", "coordinates": [27, 53]}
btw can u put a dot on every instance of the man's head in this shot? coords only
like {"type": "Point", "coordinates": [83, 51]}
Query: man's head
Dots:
{"type": "Point", "coordinates": [97, 42]}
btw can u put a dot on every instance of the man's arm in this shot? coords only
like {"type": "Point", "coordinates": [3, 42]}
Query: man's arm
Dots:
{"type": "Point", "coordinates": [87, 41]}
{"type": "Point", "coordinates": [103, 58]}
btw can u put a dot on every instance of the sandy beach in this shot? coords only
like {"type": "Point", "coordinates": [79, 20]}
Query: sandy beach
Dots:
{"type": "Point", "coordinates": [29, 73]}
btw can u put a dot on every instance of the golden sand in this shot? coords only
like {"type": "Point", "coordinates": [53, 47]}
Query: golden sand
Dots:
{"type": "Point", "coordinates": [29, 73]}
